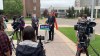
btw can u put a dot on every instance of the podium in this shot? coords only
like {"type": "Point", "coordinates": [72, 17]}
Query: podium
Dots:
{"type": "Point", "coordinates": [46, 28]}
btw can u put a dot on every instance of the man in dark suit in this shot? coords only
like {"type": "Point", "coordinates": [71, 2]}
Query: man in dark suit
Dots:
{"type": "Point", "coordinates": [35, 23]}
{"type": "Point", "coordinates": [50, 22]}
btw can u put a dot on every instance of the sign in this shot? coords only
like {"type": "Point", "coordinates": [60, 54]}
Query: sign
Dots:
{"type": "Point", "coordinates": [1, 4]}
{"type": "Point", "coordinates": [44, 27]}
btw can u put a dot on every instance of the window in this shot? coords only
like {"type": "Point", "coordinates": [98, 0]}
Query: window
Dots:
{"type": "Point", "coordinates": [35, 8]}
{"type": "Point", "coordinates": [34, 1]}
{"type": "Point", "coordinates": [61, 10]}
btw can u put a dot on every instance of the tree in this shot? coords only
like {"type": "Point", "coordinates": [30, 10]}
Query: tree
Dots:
{"type": "Point", "coordinates": [1, 12]}
{"type": "Point", "coordinates": [81, 12]}
{"type": "Point", "coordinates": [13, 7]}
{"type": "Point", "coordinates": [45, 13]}
{"type": "Point", "coordinates": [71, 12]}
{"type": "Point", "coordinates": [87, 11]}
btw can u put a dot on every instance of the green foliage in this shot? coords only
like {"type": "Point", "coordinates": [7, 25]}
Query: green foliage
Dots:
{"type": "Point", "coordinates": [71, 12]}
{"type": "Point", "coordinates": [13, 7]}
{"type": "Point", "coordinates": [69, 32]}
{"type": "Point", "coordinates": [86, 10]}
{"type": "Point", "coordinates": [81, 12]}
{"type": "Point", "coordinates": [45, 13]}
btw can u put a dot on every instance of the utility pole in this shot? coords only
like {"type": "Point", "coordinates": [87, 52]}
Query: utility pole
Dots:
{"type": "Point", "coordinates": [92, 9]}
{"type": "Point", "coordinates": [1, 4]}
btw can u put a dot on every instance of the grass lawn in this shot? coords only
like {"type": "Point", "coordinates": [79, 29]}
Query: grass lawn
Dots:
{"type": "Point", "coordinates": [70, 33]}
{"type": "Point", "coordinates": [14, 37]}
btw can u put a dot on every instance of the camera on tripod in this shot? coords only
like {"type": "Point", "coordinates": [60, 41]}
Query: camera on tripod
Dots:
{"type": "Point", "coordinates": [17, 23]}
{"type": "Point", "coordinates": [84, 30]}
{"type": "Point", "coordinates": [40, 37]}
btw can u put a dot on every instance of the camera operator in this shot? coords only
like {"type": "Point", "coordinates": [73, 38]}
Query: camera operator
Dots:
{"type": "Point", "coordinates": [21, 25]}
{"type": "Point", "coordinates": [82, 36]}
{"type": "Point", "coordinates": [5, 46]}
{"type": "Point", "coordinates": [16, 25]}
{"type": "Point", "coordinates": [28, 47]}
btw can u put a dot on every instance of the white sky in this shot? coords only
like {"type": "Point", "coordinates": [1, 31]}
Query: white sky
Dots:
{"type": "Point", "coordinates": [1, 4]}
{"type": "Point", "coordinates": [57, 3]}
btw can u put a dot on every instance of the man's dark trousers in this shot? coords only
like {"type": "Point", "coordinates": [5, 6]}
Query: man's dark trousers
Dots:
{"type": "Point", "coordinates": [51, 33]}
{"type": "Point", "coordinates": [36, 31]}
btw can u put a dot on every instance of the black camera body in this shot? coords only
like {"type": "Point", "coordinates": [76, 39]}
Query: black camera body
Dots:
{"type": "Point", "coordinates": [85, 27]}
{"type": "Point", "coordinates": [40, 37]}
{"type": "Point", "coordinates": [15, 25]}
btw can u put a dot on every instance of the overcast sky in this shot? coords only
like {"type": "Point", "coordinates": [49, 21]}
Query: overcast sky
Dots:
{"type": "Point", "coordinates": [57, 3]}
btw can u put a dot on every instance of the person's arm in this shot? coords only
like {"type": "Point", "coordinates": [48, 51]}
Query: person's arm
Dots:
{"type": "Point", "coordinates": [47, 21]}
{"type": "Point", "coordinates": [6, 46]}
{"type": "Point", "coordinates": [8, 53]}
{"type": "Point", "coordinates": [32, 20]}
{"type": "Point", "coordinates": [53, 21]}
{"type": "Point", "coordinates": [37, 22]}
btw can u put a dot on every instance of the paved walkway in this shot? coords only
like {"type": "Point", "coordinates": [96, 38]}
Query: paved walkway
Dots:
{"type": "Point", "coordinates": [58, 47]}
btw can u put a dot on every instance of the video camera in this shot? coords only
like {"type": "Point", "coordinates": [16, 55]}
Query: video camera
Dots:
{"type": "Point", "coordinates": [16, 24]}
{"type": "Point", "coordinates": [85, 27]}
{"type": "Point", "coordinates": [40, 37]}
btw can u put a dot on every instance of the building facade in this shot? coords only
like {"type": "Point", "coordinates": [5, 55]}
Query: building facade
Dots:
{"type": "Point", "coordinates": [77, 3]}
{"type": "Point", "coordinates": [86, 3]}
{"type": "Point", "coordinates": [98, 2]}
{"type": "Point", "coordinates": [30, 7]}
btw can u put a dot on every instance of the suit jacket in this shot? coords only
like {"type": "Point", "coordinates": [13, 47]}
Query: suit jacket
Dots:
{"type": "Point", "coordinates": [35, 22]}
{"type": "Point", "coordinates": [51, 21]}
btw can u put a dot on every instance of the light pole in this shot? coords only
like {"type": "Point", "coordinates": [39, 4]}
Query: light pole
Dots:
{"type": "Point", "coordinates": [92, 9]}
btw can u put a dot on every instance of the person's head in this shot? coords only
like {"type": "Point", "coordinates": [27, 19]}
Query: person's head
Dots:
{"type": "Point", "coordinates": [33, 15]}
{"type": "Point", "coordinates": [84, 16]}
{"type": "Point", "coordinates": [50, 14]}
{"type": "Point", "coordinates": [28, 33]}
{"type": "Point", "coordinates": [14, 17]}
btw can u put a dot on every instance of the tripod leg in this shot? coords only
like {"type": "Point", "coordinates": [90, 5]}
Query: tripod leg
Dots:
{"type": "Point", "coordinates": [17, 37]}
{"type": "Point", "coordinates": [87, 54]}
{"type": "Point", "coordinates": [20, 38]}
{"type": "Point", "coordinates": [78, 53]}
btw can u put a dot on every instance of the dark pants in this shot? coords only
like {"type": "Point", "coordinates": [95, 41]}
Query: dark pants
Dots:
{"type": "Point", "coordinates": [21, 33]}
{"type": "Point", "coordinates": [18, 40]}
{"type": "Point", "coordinates": [80, 51]}
{"type": "Point", "coordinates": [36, 31]}
{"type": "Point", "coordinates": [51, 33]}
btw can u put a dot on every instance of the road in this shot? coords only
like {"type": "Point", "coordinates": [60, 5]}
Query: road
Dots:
{"type": "Point", "coordinates": [72, 22]}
